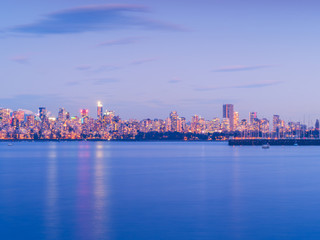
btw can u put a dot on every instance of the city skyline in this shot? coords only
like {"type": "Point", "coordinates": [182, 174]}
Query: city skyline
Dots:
{"type": "Point", "coordinates": [147, 58]}
{"type": "Point", "coordinates": [100, 109]}
{"type": "Point", "coordinates": [107, 125]}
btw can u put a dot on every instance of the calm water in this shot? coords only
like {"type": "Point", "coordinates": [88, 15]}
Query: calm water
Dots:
{"type": "Point", "coordinates": [103, 190]}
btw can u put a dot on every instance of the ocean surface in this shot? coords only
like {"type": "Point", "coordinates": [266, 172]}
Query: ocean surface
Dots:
{"type": "Point", "coordinates": [158, 190]}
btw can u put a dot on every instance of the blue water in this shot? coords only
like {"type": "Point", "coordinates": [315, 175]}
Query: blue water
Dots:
{"type": "Point", "coordinates": [161, 190]}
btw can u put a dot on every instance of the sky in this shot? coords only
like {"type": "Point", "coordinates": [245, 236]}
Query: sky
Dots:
{"type": "Point", "coordinates": [144, 59]}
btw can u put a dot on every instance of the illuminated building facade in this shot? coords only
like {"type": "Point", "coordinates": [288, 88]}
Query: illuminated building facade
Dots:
{"type": "Point", "coordinates": [42, 113]}
{"type": "Point", "coordinates": [99, 110]}
{"type": "Point", "coordinates": [228, 113]}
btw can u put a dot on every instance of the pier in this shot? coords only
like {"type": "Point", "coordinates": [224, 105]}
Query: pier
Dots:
{"type": "Point", "coordinates": [275, 142]}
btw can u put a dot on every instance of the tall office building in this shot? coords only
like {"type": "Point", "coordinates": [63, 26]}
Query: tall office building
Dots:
{"type": "Point", "coordinates": [84, 113]}
{"type": "Point", "coordinates": [275, 123]}
{"type": "Point", "coordinates": [235, 120]}
{"type": "Point", "coordinates": [99, 110]}
{"type": "Point", "coordinates": [174, 121]}
{"type": "Point", "coordinates": [4, 115]}
{"type": "Point", "coordinates": [317, 125]}
{"type": "Point", "coordinates": [42, 113]}
{"type": "Point", "coordinates": [19, 115]}
{"type": "Point", "coordinates": [62, 115]}
{"type": "Point", "coordinates": [228, 113]}
{"type": "Point", "coordinates": [252, 117]}
{"type": "Point", "coordinates": [30, 120]}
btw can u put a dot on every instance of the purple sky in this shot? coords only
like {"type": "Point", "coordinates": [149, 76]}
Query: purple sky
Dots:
{"type": "Point", "coordinates": [146, 58]}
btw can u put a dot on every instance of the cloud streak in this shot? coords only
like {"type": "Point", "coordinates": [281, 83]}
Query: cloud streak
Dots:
{"type": "Point", "coordinates": [20, 59]}
{"type": "Point", "coordinates": [244, 86]}
{"type": "Point", "coordinates": [97, 69]}
{"type": "Point", "coordinates": [102, 81]}
{"type": "Point", "coordinates": [123, 41]}
{"type": "Point", "coordinates": [239, 68]}
{"type": "Point", "coordinates": [93, 18]}
{"type": "Point", "coordinates": [174, 80]}
{"type": "Point", "coordinates": [142, 61]}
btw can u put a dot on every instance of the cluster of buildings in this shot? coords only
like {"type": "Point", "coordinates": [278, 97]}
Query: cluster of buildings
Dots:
{"type": "Point", "coordinates": [106, 125]}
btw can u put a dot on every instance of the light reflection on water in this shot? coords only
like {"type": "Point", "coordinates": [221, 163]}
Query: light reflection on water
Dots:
{"type": "Point", "coordinates": [100, 192]}
{"type": "Point", "coordinates": [52, 211]}
{"type": "Point", "coordinates": [103, 190]}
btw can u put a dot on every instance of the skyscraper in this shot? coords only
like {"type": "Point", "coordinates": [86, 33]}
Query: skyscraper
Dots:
{"type": "Point", "coordinates": [174, 121]}
{"type": "Point", "coordinates": [235, 120]}
{"type": "Point", "coordinates": [275, 123]}
{"type": "Point", "coordinates": [62, 115]}
{"type": "Point", "coordinates": [252, 117]}
{"type": "Point", "coordinates": [84, 113]}
{"type": "Point", "coordinates": [99, 110]}
{"type": "Point", "coordinates": [42, 113]}
{"type": "Point", "coordinates": [229, 114]}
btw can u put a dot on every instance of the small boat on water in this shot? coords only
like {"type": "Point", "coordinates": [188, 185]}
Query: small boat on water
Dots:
{"type": "Point", "coordinates": [266, 146]}
{"type": "Point", "coordinates": [10, 144]}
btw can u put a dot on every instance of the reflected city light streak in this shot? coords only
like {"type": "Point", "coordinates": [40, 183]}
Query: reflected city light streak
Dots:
{"type": "Point", "coordinates": [83, 199]}
{"type": "Point", "coordinates": [51, 214]}
{"type": "Point", "coordinates": [100, 192]}
{"type": "Point", "coordinates": [236, 191]}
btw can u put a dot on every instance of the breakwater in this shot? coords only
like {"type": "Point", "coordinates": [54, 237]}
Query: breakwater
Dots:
{"type": "Point", "coordinates": [277, 142]}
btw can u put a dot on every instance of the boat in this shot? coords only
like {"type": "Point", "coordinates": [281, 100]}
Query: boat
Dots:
{"type": "Point", "coordinates": [10, 144]}
{"type": "Point", "coordinates": [266, 146]}
{"type": "Point", "coordinates": [295, 144]}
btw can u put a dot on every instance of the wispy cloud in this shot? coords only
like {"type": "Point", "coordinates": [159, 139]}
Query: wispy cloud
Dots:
{"type": "Point", "coordinates": [204, 101]}
{"type": "Point", "coordinates": [123, 41]}
{"type": "Point", "coordinates": [93, 18]}
{"type": "Point", "coordinates": [101, 81]}
{"type": "Point", "coordinates": [20, 59]}
{"type": "Point", "coordinates": [174, 80]}
{"type": "Point", "coordinates": [106, 68]}
{"type": "Point", "coordinates": [238, 68]}
{"type": "Point", "coordinates": [84, 67]}
{"type": "Point", "coordinates": [97, 69]}
{"type": "Point", "coordinates": [142, 61]}
{"type": "Point", "coordinates": [94, 81]}
{"type": "Point", "coordinates": [32, 101]}
{"type": "Point", "coordinates": [253, 85]}
{"type": "Point", "coordinates": [73, 83]}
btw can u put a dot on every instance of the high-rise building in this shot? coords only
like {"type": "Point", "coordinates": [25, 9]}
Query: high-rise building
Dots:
{"type": "Point", "coordinates": [235, 121]}
{"type": "Point", "coordinates": [228, 113]}
{"type": "Point", "coordinates": [30, 120]}
{"type": "Point", "coordinates": [252, 117]}
{"type": "Point", "coordinates": [168, 125]}
{"type": "Point", "coordinates": [62, 115]}
{"type": "Point", "coordinates": [317, 125]}
{"type": "Point", "coordinates": [18, 115]}
{"type": "Point", "coordinates": [275, 123]}
{"type": "Point", "coordinates": [4, 115]}
{"type": "Point", "coordinates": [183, 124]}
{"type": "Point", "coordinates": [84, 113]}
{"type": "Point", "coordinates": [42, 113]}
{"type": "Point", "coordinates": [99, 110]}
{"type": "Point", "coordinates": [195, 124]}
{"type": "Point", "coordinates": [15, 123]}
{"type": "Point", "coordinates": [174, 121]}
